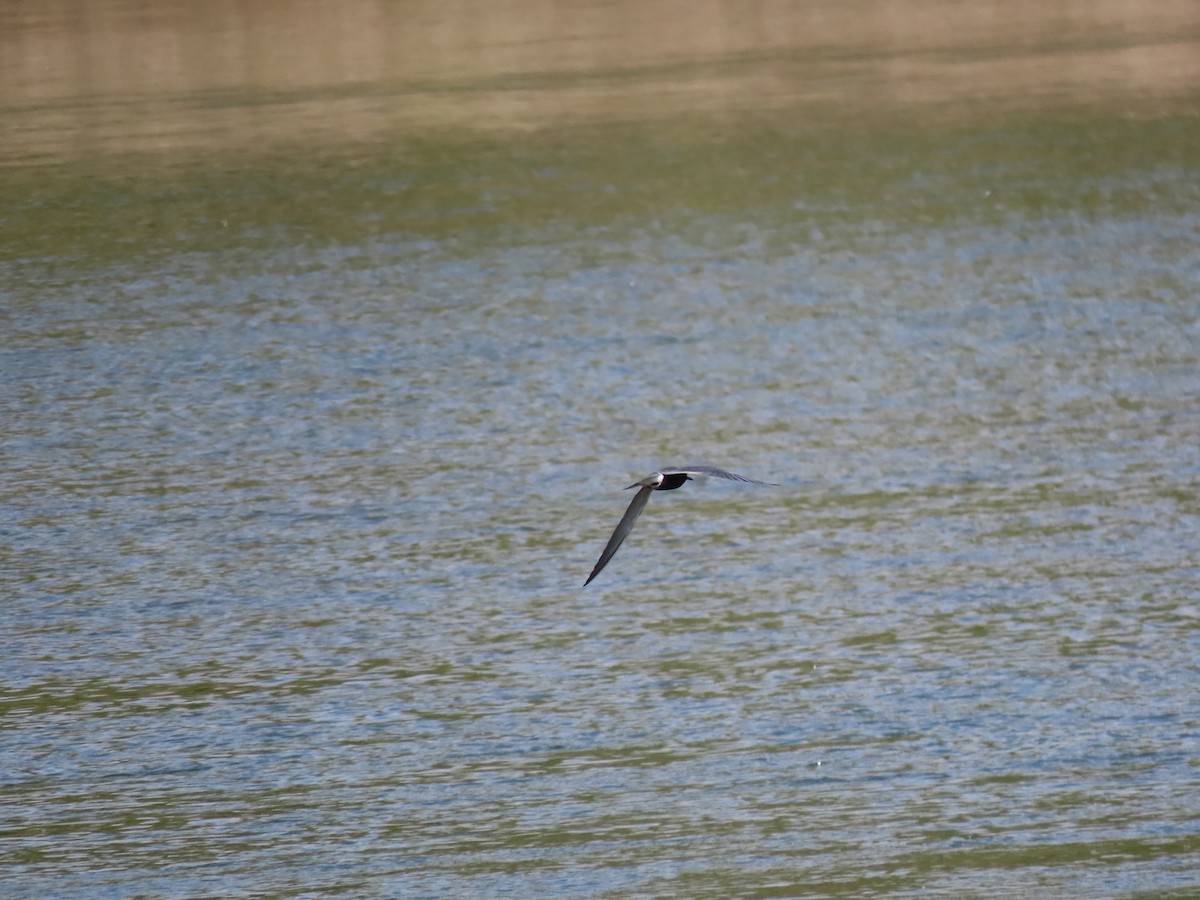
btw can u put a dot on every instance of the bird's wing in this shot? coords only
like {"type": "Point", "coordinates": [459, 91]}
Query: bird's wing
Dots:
{"type": "Point", "coordinates": [714, 472]}
{"type": "Point", "coordinates": [636, 505]}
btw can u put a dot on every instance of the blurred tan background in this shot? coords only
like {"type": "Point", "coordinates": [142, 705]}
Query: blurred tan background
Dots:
{"type": "Point", "coordinates": [139, 75]}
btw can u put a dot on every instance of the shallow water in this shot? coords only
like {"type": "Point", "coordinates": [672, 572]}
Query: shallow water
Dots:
{"type": "Point", "coordinates": [306, 456]}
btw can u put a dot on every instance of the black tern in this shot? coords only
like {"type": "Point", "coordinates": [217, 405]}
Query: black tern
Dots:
{"type": "Point", "coordinates": [662, 480]}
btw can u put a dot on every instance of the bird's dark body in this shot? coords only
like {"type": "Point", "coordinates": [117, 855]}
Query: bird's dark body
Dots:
{"type": "Point", "coordinates": [670, 482]}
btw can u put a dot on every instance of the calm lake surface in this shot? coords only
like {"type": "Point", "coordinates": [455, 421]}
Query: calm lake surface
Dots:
{"type": "Point", "coordinates": [331, 333]}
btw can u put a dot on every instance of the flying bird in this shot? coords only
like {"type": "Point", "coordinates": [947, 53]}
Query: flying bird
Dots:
{"type": "Point", "coordinates": [662, 480]}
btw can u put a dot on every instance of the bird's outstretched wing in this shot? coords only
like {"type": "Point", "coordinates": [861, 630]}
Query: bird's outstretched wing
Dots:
{"type": "Point", "coordinates": [713, 472]}
{"type": "Point", "coordinates": [636, 505]}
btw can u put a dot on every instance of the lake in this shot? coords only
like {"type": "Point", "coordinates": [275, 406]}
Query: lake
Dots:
{"type": "Point", "coordinates": [330, 335]}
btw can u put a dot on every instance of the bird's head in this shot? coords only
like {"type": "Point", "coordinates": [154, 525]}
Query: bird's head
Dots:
{"type": "Point", "coordinates": [650, 481]}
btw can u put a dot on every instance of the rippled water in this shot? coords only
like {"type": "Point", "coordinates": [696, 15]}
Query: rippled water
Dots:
{"type": "Point", "coordinates": [293, 565]}
{"type": "Point", "coordinates": [304, 467]}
